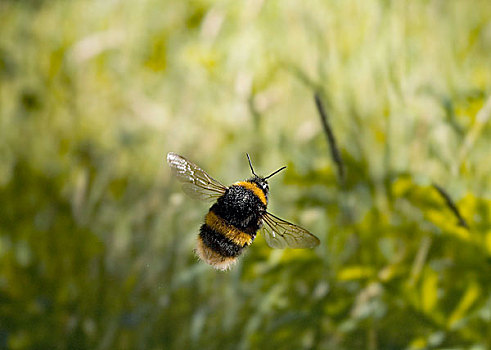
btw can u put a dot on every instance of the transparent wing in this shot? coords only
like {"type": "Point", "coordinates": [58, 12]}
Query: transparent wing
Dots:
{"type": "Point", "coordinates": [282, 234]}
{"type": "Point", "coordinates": [196, 182]}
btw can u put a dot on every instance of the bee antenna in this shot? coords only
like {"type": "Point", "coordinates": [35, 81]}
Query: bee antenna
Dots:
{"type": "Point", "coordinates": [277, 171]}
{"type": "Point", "coordinates": [250, 164]}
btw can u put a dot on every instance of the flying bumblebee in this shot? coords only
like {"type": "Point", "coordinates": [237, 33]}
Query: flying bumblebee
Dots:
{"type": "Point", "coordinates": [236, 216]}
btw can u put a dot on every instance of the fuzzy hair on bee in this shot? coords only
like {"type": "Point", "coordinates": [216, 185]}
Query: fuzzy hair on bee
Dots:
{"type": "Point", "coordinates": [239, 212]}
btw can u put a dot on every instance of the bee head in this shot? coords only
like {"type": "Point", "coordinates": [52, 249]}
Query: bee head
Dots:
{"type": "Point", "coordinates": [262, 181]}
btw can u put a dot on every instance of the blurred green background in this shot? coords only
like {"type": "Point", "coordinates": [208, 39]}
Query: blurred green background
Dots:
{"type": "Point", "coordinates": [97, 239]}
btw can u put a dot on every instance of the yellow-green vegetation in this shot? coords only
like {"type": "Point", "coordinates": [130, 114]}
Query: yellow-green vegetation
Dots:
{"type": "Point", "coordinates": [96, 238]}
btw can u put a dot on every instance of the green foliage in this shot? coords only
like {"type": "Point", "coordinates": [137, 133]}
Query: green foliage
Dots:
{"type": "Point", "coordinates": [96, 238]}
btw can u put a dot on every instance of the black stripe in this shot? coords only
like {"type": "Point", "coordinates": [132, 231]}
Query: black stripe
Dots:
{"type": "Point", "coordinates": [217, 242]}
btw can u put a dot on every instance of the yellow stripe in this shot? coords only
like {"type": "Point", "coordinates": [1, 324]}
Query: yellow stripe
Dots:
{"type": "Point", "coordinates": [254, 188]}
{"type": "Point", "coordinates": [234, 234]}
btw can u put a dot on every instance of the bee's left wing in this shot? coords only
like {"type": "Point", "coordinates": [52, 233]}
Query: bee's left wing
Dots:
{"type": "Point", "coordinates": [196, 182]}
{"type": "Point", "coordinates": [282, 234]}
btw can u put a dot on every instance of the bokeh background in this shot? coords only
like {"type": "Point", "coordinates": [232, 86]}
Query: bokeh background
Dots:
{"type": "Point", "coordinates": [97, 239]}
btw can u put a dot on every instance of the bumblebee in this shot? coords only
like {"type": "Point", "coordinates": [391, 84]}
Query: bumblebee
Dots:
{"type": "Point", "coordinates": [236, 216]}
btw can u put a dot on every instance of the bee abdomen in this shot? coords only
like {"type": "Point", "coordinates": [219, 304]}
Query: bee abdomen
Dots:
{"type": "Point", "coordinates": [219, 243]}
{"type": "Point", "coordinates": [216, 249]}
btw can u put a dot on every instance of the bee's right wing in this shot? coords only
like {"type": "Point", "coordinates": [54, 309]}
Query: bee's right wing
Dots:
{"type": "Point", "coordinates": [282, 234]}
{"type": "Point", "coordinates": [196, 182]}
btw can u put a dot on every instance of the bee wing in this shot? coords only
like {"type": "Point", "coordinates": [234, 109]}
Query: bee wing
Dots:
{"type": "Point", "coordinates": [196, 182]}
{"type": "Point", "coordinates": [282, 234]}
